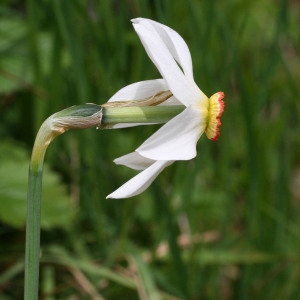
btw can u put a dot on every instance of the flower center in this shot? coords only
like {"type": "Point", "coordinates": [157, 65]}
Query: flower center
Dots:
{"type": "Point", "coordinates": [215, 110]}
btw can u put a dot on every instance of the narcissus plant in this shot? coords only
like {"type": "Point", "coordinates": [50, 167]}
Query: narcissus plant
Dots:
{"type": "Point", "coordinates": [174, 99]}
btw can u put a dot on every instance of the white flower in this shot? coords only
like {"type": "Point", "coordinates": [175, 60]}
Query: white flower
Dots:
{"type": "Point", "coordinates": [177, 139]}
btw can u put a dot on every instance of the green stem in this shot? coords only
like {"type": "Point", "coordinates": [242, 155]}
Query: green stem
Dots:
{"type": "Point", "coordinates": [33, 233]}
{"type": "Point", "coordinates": [81, 116]}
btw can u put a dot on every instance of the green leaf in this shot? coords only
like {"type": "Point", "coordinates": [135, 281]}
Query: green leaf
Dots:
{"type": "Point", "coordinates": [146, 275]}
{"type": "Point", "coordinates": [57, 207]}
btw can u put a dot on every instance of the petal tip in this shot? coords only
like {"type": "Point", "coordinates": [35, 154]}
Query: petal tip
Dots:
{"type": "Point", "coordinates": [112, 196]}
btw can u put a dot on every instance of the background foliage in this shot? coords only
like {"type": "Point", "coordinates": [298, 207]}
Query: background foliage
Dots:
{"type": "Point", "coordinates": [222, 226]}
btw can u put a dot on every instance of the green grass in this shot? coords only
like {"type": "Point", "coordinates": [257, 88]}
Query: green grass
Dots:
{"type": "Point", "coordinates": [222, 226]}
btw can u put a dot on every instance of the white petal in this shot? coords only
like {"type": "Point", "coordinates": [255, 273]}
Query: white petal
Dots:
{"type": "Point", "coordinates": [134, 161]}
{"type": "Point", "coordinates": [140, 90]}
{"type": "Point", "coordinates": [183, 89]}
{"type": "Point", "coordinates": [140, 182]}
{"type": "Point", "coordinates": [177, 139]}
{"type": "Point", "coordinates": [175, 43]}
{"type": "Point", "coordinates": [171, 101]}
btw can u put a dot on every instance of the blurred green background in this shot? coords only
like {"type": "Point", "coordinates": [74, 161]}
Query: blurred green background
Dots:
{"type": "Point", "coordinates": [224, 225]}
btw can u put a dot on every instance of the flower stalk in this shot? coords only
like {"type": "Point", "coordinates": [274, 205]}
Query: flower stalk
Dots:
{"type": "Point", "coordinates": [82, 116]}
{"type": "Point", "coordinates": [76, 117]}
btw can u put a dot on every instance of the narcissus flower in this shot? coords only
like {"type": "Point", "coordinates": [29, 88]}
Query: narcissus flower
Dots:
{"type": "Point", "coordinates": [177, 139]}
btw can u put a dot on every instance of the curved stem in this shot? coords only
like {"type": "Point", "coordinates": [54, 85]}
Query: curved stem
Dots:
{"type": "Point", "coordinates": [82, 116]}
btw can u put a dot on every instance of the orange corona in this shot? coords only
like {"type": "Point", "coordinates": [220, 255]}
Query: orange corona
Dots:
{"type": "Point", "coordinates": [215, 110]}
